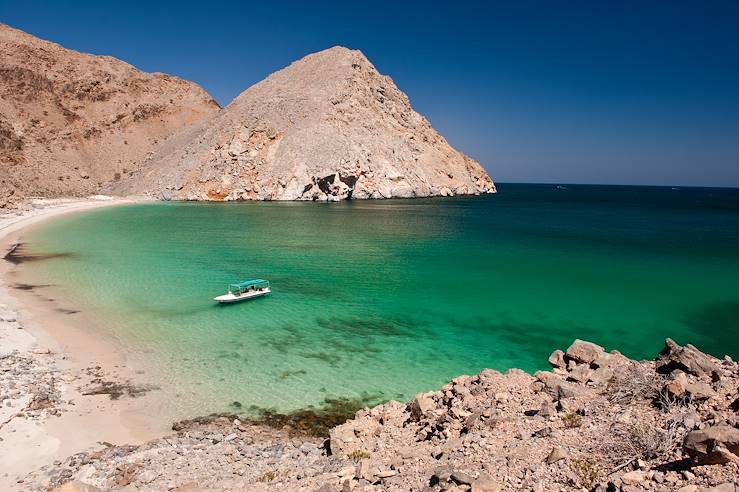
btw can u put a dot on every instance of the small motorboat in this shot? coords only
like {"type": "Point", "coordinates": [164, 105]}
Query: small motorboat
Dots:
{"type": "Point", "coordinates": [242, 291]}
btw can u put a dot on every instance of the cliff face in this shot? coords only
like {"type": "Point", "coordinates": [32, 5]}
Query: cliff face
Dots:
{"type": "Point", "coordinates": [71, 122]}
{"type": "Point", "coordinates": [327, 127]}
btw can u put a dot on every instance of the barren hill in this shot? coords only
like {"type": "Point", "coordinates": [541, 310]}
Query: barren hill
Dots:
{"type": "Point", "coordinates": [71, 122]}
{"type": "Point", "coordinates": [327, 127]}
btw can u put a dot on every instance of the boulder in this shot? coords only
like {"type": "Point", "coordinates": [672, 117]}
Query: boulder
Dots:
{"type": "Point", "coordinates": [724, 487]}
{"type": "Point", "coordinates": [688, 488]}
{"type": "Point", "coordinates": [555, 455]}
{"type": "Point", "coordinates": [557, 388]}
{"type": "Point", "coordinates": [601, 375]}
{"type": "Point", "coordinates": [484, 483]}
{"type": "Point", "coordinates": [580, 374]}
{"type": "Point", "coordinates": [472, 420]}
{"type": "Point", "coordinates": [634, 477]}
{"type": "Point", "coordinates": [547, 409]}
{"type": "Point", "coordinates": [441, 475]}
{"type": "Point", "coordinates": [611, 360]}
{"type": "Point", "coordinates": [557, 359]}
{"type": "Point", "coordinates": [675, 387]}
{"type": "Point", "coordinates": [328, 487]}
{"type": "Point", "coordinates": [681, 388]}
{"type": "Point", "coordinates": [699, 391]}
{"type": "Point", "coordinates": [462, 478]}
{"type": "Point", "coordinates": [688, 359]}
{"type": "Point", "coordinates": [342, 440]}
{"type": "Point", "coordinates": [718, 444]}
{"type": "Point", "coordinates": [584, 352]}
{"type": "Point", "coordinates": [691, 420]}
{"type": "Point", "coordinates": [421, 406]}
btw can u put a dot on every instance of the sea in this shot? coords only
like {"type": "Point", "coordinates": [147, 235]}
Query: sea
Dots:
{"type": "Point", "coordinates": [378, 300]}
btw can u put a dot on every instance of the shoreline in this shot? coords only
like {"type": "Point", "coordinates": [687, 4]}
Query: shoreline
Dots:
{"type": "Point", "coordinates": [596, 421]}
{"type": "Point", "coordinates": [73, 364]}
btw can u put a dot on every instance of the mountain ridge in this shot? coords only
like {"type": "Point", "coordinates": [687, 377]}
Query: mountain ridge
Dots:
{"type": "Point", "coordinates": [71, 122]}
{"type": "Point", "coordinates": [326, 127]}
{"type": "Point", "coordinates": [329, 126]}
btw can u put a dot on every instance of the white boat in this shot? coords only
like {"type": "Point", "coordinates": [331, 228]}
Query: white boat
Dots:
{"type": "Point", "coordinates": [242, 291]}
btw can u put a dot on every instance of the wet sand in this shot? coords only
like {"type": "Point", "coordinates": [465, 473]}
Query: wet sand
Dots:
{"type": "Point", "coordinates": [37, 325]}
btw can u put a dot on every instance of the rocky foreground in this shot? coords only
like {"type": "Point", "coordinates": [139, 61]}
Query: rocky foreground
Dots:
{"type": "Point", "coordinates": [597, 421]}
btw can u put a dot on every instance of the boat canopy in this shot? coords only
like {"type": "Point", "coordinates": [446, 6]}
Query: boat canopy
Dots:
{"type": "Point", "coordinates": [257, 283]}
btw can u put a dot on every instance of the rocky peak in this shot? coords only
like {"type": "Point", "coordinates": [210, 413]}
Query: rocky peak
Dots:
{"type": "Point", "coordinates": [327, 127]}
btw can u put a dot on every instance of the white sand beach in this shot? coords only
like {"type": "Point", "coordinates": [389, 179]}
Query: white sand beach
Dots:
{"type": "Point", "coordinates": [48, 363]}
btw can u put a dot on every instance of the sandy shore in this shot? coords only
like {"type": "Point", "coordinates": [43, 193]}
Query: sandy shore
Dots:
{"type": "Point", "coordinates": [597, 421]}
{"type": "Point", "coordinates": [48, 363]}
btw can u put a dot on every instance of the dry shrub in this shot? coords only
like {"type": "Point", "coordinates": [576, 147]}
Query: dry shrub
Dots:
{"type": "Point", "coordinates": [649, 442]}
{"type": "Point", "coordinates": [669, 403]}
{"type": "Point", "coordinates": [268, 476]}
{"type": "Point", "coordinates": [571, 420]}
{"type": "Point", "coordinates": [641, 441]}
{"type": "Point", "coordinates": [586, 472]}
{"type": "Point", "coordinates": [359, 455]}
{"type": "Point", "coordinates": [634, 384]}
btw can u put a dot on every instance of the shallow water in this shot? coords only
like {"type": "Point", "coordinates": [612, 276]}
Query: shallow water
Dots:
{"type": "Point", "coordinates": [379, 300]}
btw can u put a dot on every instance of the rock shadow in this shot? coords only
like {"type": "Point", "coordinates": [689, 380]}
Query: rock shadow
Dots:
{"type": "Point", "coordinates": [19, 254]}
{"type": "Point", "coordinates": [29, 287]}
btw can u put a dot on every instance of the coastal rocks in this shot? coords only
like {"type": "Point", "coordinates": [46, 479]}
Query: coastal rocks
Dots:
{"type": "Point", "coordinates": [485, 432]}
{"type": "Point", "coordinates": [557, 359]}
{"type": "Point", "coordinates": [357, 435]}
{"type": "Point", "coordinates": [328, 127]}
{"type": "Point", "coordinates": [681, 388]}
{"type": "Point", "coordinates": [634, 477]}
{"type": "Point", "coordinates": [28, 386]}
{"type": "Point", "coordinates": [444, 477]}
{"type": "Point", "coordinates": [714, 445]}
{"type": "Point", "coordinates": [687, 359]}
{"type": "Point", "coordinates": [584, 352]}
{"type": "Point", "coordinates": [343, 440]}
{"type": "Point", "coordinates": [583, 362]}
{"type": "Point", "coordinates": [422, 405]}
{"type": "Point", "coordinates": [558, 388]}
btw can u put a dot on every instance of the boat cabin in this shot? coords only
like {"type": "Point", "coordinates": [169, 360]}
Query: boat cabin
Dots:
{"type": "Point", "coordinates": [241, 288]}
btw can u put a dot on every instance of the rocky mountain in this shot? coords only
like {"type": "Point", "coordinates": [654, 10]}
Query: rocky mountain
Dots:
{"type": "Point", "coordinates": [71, 122]}
{"type": "Point", "coordinates": [327, 127]}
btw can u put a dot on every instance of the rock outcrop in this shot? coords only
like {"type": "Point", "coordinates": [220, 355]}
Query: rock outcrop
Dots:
{"type": "Point", "coordinates": [327, 127]}
{"type": "Point", "coordinates": [714, 445]}
{"type": "Point", "coordinates": [488, 432]}
{"type": "Point", "coordinates": [72, 122]}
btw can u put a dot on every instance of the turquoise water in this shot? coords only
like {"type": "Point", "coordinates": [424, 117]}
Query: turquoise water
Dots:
{"type": "Point", "coordinates": [382, 299]}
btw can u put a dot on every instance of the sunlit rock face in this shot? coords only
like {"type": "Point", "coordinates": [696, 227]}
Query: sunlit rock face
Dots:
{"type": "Point", "coordinates": [71, 122]}
{"type": "Point", "coordinates": [327, 127]}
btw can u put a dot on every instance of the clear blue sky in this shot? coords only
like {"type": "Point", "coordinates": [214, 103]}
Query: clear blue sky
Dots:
{"type": "Point", "coordinates": [572, 91]}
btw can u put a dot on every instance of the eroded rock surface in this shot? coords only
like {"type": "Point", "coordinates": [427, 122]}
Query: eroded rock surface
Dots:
{"type": "Point", "coordinates": [327, 127]}
{"type": "Point", "coordinates": [487, 432]}
{"type": "Point", "coordinates": [71, 122]}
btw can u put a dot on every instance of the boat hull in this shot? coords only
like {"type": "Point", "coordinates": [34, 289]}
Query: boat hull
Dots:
{"type": "Point", "coordinates": [230, 298]}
